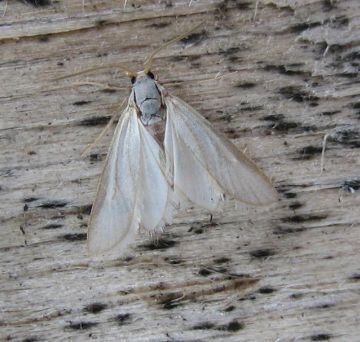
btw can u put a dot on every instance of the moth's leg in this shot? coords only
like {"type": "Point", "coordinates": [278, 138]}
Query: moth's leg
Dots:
{"type": "Point", "coordinates": [322, 162]}
{"type": "Point", "coordinates": [5, 9]}
{"type": "Point", "coordinates": [103, 132]}
{"type": "Point", "coordinates": [163, 94]}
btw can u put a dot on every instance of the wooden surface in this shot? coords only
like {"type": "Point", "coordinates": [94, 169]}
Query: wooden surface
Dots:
{"type": "Point", "coordinates": [275, 76]}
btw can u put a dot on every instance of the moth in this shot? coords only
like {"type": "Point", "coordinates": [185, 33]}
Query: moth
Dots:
{"type": "Point", "coordinates": [164, 154]}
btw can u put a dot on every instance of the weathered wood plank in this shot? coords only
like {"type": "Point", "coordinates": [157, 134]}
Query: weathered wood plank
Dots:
{"type": "Point", "coordinates": [275, 76]}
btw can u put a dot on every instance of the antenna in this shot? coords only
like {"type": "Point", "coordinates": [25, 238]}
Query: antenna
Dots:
{"type": "Point", "coordinates": [149, 60]}
{"type": "Point", "coordinates": [129, 72]}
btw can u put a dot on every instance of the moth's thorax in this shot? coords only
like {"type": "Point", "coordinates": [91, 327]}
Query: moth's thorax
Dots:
{"type": "Point", "coordinates": [147, 97]}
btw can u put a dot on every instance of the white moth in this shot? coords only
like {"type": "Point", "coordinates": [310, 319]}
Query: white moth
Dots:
{"type": "Point", "coordinates": [163, 153]}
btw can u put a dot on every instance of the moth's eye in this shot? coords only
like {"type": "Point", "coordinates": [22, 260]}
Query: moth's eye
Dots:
{"type": "Point", "coordinates": [151, 75]}
{"type": "Point", "coordinates": [133, 79]}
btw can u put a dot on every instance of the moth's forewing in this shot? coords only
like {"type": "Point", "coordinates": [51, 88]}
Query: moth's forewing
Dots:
{"type": "Point", "coordinates": [222, 165]}
{"type": "Point", "coordinates": [133, 190]}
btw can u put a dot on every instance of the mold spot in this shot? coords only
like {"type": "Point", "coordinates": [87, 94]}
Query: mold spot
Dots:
{"type": "Point", "coordinates": [262, 253]}
{"type": "Point", "coordinates": [227, 5]}
{"type": "Point", "coordinates": [197, 230]}
{"type": "Point", "coordinates": [84, 209]}
{"type": "Point", "coordinates": [231, 133]}
{"type": "Point", "coordinates": [328, 5]}
{"type": "Point", "coordinates": [170, 300]}
{"type": "Point", "coordinates": [320, 337]}
{"type": "Point", "coordinates": [348, 74]}
{"type": "Point", "coordinates": [177, 58]}
{"type": "Point", "coordinates": [295, 205]}
{"type": "Point", "coordinates": [101, 23]}
{"type": "Point", "coordinates": [230, 51]}
{"type": "Point", "coordinates": [274, 117]}
{"type": "Point", "coordinates": [204, 272]}
{"type": "Point", "coordinates": [308, 152]}
{"type": "Point", "coordinates": [95, 121]}
{"type": "Point", "coordinates": [303, 218]}
{"type": "Point", "coordinates": [108, 91]}
{"type": "Point", "coordinates": [52, 226]}
{"type": "Point", "coordinates": [278, 123]}
{"type": "Point", "coordinates": [204, 326]}
{"type": "Point", "coordinates": [194, 38]}
{"type": "Point", "coordinates": [346, 137]}
{"type": "Point", "coordinates": [352, 56]}
{"type": "Point", "coordinates": [330, 113]}
{"type": "Point", "coordinates": [95, 307]}
{"type": "Point", "coordinates": [287, 230]}
{"type": "Point", "coordinates": [168, 4]}
{"type": "Point", "coordinates": [298, 28]}
{"type": "Point", "coordinates": [297, 94]}
{"type": "Point", "coordinates": [351, 185]}
{"type": "Point", "coordinates": [30, 199]}
{"type": "Point", "coordinates": [230, 308]}
{"type": "Point", "coordinates": [296, 296]}
{"type": "Point", "coordinates": [37, 3]}
{"type": "Point", "coordinates": [81, 325]}
{"type": "Point", "coordinates": [31, 339]}
{"type": "Point", "coordinates": [324, 306]}
{"type": "Point", "coordinates": [160, 25]}
{"type": "Point", "coordinates": [266, 290]}
{"type": "Point", "coordinates": [356, 106]}
{"type": "Point", "coordinates": [222, 260]}
{"type": "Point", "coordinates": [290, 194]}
{"type": "Point", "coordinates": [355, 277]}
{"type": "Point", "coordinates": [251, 108]}
{"type": "Point", "coordinates": [44, 38]}
{"type": "Point", "coordinates": [81, 103]}
{"type": "Point", "coordinates": [233, 326]}
{"type": "Point", "coordinates": [173, 260]}
{"type": "Point", "coordinates": [248, 297]}
{"type": "Point", "coordinates": [94, 157]}
{"type": "Point", "coordinates": [122, 318]}
{"type": "Point", "coordinates": [161, 243]}
{"type": "Point", "coordinates": [53, 204]}
{"type": "Point", "coordinates": [238, 4]}
{"type": "Point", "coordinates": [245, 85]}
{"type": "Point", "coordinates": [74, 237]}
{"type": "Point", "coordinates": [290, 70]}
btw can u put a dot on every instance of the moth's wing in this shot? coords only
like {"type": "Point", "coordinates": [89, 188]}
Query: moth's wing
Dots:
{"type": "Point", "coordinates": [191, 178]}
{"type": "Point", "coordinates": [155, 198]}
{"type": "Point", "coordinates": [205, 164]}
{"type": "Point", "coordinates": [133, 190]}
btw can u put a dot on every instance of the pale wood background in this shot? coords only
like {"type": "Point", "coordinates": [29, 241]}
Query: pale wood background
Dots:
{"type": "Point", "coordinates": [274, 75]}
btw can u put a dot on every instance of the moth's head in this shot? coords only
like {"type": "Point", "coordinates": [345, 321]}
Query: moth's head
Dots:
{"type": "Point", "coordinates": [145, 74]}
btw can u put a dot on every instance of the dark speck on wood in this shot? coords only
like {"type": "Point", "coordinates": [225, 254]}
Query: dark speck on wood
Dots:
{"type": "Point", "coordinates": [262, 253]}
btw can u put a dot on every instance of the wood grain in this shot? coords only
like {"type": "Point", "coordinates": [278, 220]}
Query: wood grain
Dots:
{"type": "Point", "coordinates": [276, 77]}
